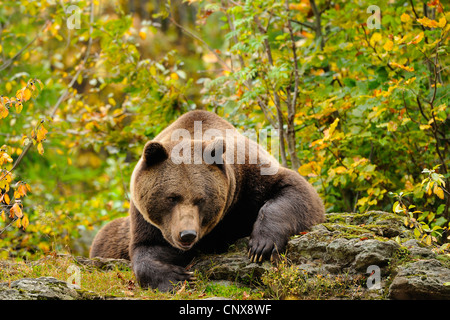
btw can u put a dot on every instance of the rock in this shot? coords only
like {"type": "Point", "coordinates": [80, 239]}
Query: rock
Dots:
{"type": "Point", "coordinates": [424, 279]}
{"type": "Point", "coordinates": [355, 253]}
{"type": "Point", "coordinates": [231, 267]}
{"type": "Point", "coordinates": [44, 288]}
{"type": "Point", "coordinates": [331, 259]}
{"type": "Point", "coordinates": [416, 250]}
{"type": "Point", "coordinates": [374, 252]}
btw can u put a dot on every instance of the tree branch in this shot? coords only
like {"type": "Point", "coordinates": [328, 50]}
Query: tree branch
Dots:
{"type": "Point", "coordinates": [192, 35]}
{"type": "Point", "coordinates": [8, 62]}
{"type": "Point", "coordinates": [275, 95]}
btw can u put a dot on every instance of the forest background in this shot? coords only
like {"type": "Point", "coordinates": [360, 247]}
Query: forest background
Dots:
{"type": "Point", "coordinates": [357, 92]}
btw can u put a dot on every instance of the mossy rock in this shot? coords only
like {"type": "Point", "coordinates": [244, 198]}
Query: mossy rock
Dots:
{"type": "Point", "coordinates": [372, 223]}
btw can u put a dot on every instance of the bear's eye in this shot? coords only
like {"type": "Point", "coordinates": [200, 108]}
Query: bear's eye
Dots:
{"type": "Point", "coordinates": [174, 199]}
{"type": "Point", "coordinates": [199, 201]}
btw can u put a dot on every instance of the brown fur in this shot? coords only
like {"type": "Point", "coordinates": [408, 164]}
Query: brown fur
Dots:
{"type": "Point", "coordinates": [219, 202]}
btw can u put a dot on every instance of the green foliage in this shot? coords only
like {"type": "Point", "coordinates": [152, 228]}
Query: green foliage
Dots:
{"type": "Point", "coordinates": [287, 281]}
{"type": "Point", "coordinates": [365, 110]}
{"type": "Point", "coordinates": [429, 226]}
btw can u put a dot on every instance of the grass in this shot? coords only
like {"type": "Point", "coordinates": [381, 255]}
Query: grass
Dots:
{"type": "Point", "coordinates": [119, 282]}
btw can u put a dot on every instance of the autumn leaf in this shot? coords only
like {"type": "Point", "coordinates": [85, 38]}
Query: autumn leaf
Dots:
{"type": "Point", "coordinates": [303, 7]}
{"type": "Point", "coordinates": [19, 106]}
{"type": "Point", "coordinates": [426, 22]}
{"type": "Point", "coordinates": [21, 191]}
{"type": "Point", "coordinates": [3, 215]}
{"type": "Point", "coordinates": [397, 65]}
{"type": "Point", "coordinates": [40, 148]}
{"type": "Point", "coordinates": [142, 35]}
{"type": "Point", "coordinates": [3, 111]}
{"type": "Point", "coordinates": [26, 94]}
{"type": "Point", "coordinates": [41, 133]}
{"type": "Point", "coordinates": [333, 126]}
{"type": "Point", "coordinates": [4, 157]}
{"type": "Point", "coordinates": [417, 38]}
{"type": "Point", "coordinates": [16, 211]}
{"type": "Point", "coordinates": [438, 191]}
{"type": "Point", "coordinates": [388, 45]}
{"type": "Point", "coordinates": [6, 198]}
{"type": "Point", "coordinates": [375, 38]}
{"type": "Point", "coordinates": [405, 17]}
{"type": "Point", "coordinates": [25, 222]}
{"type": "Point", "coordinates": [340, 170]}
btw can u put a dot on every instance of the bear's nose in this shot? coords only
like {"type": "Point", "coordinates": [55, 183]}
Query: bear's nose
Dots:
{"type": "Point", "coordinates": [188, 236]}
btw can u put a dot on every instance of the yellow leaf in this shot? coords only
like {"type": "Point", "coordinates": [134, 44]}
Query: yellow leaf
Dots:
{"type": "Point", "coordinates": [417, 38]}
{"type": "Point", "coordinates": [340, 170]}
{"type": "Point", "coordinates": [424, 126]}
{"type": "Point", "coordinates": [442, 22]}
{"type": "Point", "coordinates": [25, 222]}
{"type": "Point", "coordinates": [438, 191]}
{"type": "Point", "coordinates": [19, 106]}
{"type": "Point", "coordinates": [19, 94]}
{"type": "Point", "coordinates": [41, 133]}
{"type": "Point", "coordinates": [8, 86]}
{"type": "Point", "coordinates": [174, 76]}
{"type": "Point", "coordinates": [309, 169]}
{"type": "Point", "coordinates": [3, 111]}
{"type": "Point", "coordinates": [7, 199]}
{"type": "Point", "coordinates": [303, 7]}
{"type": "Point", "coordinates": [428, 189]}
{"type": "Point", "coordinates": [16, 210]}
{"type": "Point", "coordinates": [410, 80]}
{"type": "Point", "coordinates": [388, 45]}
{"type": "Point", "coordinates": [426, 22]}
{"type": "Point", "coordinates": [40, 148]}
{"type": "Point", "coordinates": [329, 133]}
{"type": "Point", "coordinates": [143, 35]}
{"type": "Point", "coordinates": [26, 94]}
{"type": "Point", "coordinates": [405, 17]}
{"type": "Point", "coordinates": [376, 36]}
{"type": "Point", "coordinates": [3, 215]}
{"type": "Point", "coordinates": [395, 64]}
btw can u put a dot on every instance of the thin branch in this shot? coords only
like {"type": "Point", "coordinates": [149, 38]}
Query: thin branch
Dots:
{"type": "Point", "coordinates": [318, 22]}
{"type": "Point", "coordinates": [303, 24]}
{"type": "Point", "coordinates": [4, 229]}
{"type": "Point", "coordinates": [295, 162]}
{"type": "Point", "coordinates": [19, 53]}
{"type": "Point", "coordinates": [268, 114]}
{"type": "Point", "coordinates": [275, 94]}
{"type": "Point", "coordinates": [192, 35]}
{"type": "Point", "coordinates": [80, 68]}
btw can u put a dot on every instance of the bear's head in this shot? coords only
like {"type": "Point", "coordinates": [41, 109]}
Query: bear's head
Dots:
{"type": "Point", "coordinates": [183, 196]}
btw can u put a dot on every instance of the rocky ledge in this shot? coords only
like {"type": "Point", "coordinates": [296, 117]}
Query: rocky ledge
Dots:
{"type": "Point", "coordinates": [350, 256]}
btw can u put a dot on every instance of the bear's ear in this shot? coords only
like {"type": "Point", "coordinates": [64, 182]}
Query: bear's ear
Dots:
{"type": "Point", "coordinates": [214, 151]}
{"type": "Point", "coordinates": [154, 152]}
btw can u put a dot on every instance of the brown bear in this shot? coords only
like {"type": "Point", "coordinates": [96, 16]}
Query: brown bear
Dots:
{"type": "Point", "coordinates": [198, 187]}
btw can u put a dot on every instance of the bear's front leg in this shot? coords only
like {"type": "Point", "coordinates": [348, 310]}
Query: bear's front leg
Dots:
{"type": "Point", "coordinates": [295, 208]}
{"type": "Point", "coordinates": [153, 268]}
